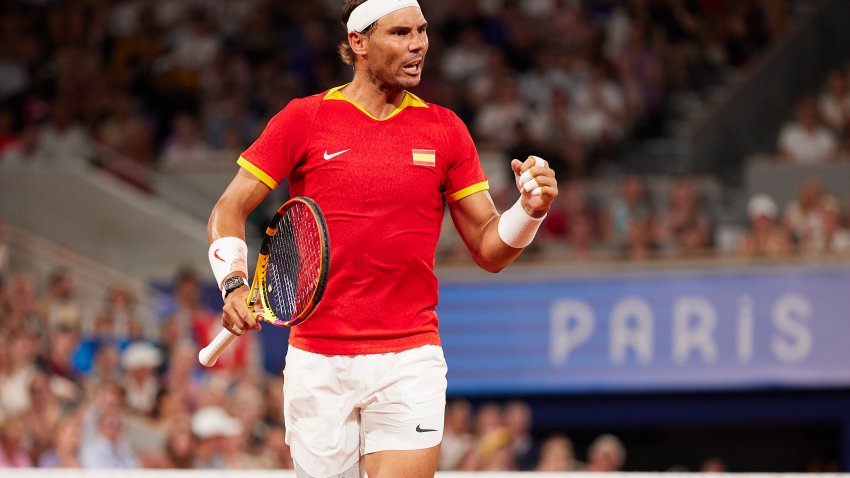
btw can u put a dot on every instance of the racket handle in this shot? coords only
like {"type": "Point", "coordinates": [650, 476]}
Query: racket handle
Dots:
{"type": "Point", "coordinates": [210, 354]}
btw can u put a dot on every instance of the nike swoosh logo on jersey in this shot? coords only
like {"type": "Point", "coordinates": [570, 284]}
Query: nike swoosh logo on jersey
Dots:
{"type": "Point", "coordinates": [332, 156]}
{"type": "Point", "coordinates": [423, 430]}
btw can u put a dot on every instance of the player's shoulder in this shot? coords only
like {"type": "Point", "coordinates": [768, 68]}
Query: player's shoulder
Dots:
{"type": "Point", "coordinates": [299, 109]}
{"type": "Point", "coordinates": [444, 115]}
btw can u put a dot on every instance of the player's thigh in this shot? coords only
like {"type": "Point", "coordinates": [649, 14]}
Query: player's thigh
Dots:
{"type": "Point", "coordinates": [407, 463]}
{"type": "Point", "coordinates": [405, 409]}
{"type": "Point", "coordinates": [322, 420]}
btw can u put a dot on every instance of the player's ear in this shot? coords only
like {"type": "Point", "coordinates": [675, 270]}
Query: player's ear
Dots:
{"type": "Point", "coordinates": [358, 42]}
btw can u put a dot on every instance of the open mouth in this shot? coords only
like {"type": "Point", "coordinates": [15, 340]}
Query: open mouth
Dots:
{"type": "Point", "coordinates": [414, 68]}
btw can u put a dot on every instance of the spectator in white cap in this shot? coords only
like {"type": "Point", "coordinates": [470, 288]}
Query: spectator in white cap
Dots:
{"type": "Point", "coordinates": [217, 433]}
{"type": "Point", "coordinates": [766, 237]}
{"type": "Point", "coordinates": [142, 384]}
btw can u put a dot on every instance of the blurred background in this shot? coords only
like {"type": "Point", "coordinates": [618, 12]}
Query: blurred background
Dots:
{"type": "Point", "coordinates": [684, 307]}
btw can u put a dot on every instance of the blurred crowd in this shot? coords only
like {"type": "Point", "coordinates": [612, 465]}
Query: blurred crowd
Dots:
{"type": "Point", "coordinates": [102, 389]}
{"type": "Point", "coordinates": [180, 84]}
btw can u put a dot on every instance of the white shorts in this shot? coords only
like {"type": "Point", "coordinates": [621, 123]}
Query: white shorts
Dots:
{"type": "Point", "coordinates": [339, 407]}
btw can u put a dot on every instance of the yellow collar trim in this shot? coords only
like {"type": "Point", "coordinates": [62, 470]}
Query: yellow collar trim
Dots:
{"type": "Point", "coordinates": [410, 100]}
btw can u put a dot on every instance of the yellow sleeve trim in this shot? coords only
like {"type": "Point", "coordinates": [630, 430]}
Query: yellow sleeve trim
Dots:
{"type": "Point", "coordinates": [468, 191]}
{"type": "Point", "coordinates": [257, 172]}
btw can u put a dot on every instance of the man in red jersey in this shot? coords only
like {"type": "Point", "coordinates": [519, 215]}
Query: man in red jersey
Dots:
{"type": "Point", "coordinates": [365, 376]}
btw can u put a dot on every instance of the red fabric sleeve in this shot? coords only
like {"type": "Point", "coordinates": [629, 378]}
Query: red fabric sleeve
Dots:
{"type": "Point", "coordinates": [282, 145]}
{"type": "Point", "coordinates": [464, 175]}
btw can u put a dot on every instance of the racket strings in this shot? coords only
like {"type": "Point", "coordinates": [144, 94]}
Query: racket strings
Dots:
{"type": "Point", "coordinates": [294, 262]}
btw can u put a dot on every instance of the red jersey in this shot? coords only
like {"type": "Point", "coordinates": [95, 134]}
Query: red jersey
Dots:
{"type": "Point", "coordinates": [382, 185]}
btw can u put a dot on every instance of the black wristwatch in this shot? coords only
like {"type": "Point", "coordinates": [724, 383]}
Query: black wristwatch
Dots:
{"type": "Point", "coordinates": [232, 283]}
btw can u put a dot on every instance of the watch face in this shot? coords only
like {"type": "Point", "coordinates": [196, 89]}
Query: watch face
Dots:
{"type": "Point", "coordinates": [232, 283]}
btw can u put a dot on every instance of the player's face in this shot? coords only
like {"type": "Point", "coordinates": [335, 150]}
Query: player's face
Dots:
{"type": "Point", "coordinates": [397, 48]}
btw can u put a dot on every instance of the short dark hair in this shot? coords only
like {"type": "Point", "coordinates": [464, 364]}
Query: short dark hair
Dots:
{"type": "Point", "coordinates": [345, 51]}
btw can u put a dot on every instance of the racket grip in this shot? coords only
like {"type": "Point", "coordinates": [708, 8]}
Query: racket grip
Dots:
{"type": "Point", "coordinates": [210, 354]}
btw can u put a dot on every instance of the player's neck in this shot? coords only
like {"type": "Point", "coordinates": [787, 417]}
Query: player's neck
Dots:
{"type": "Point", "coordinates": [377, 98]}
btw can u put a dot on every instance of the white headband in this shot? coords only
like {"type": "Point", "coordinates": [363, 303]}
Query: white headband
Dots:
{"type": "Point", "coordinates": [370, 11]}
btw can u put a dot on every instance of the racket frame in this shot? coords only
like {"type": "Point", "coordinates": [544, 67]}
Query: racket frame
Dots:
{"type": "Point", "coordinates": [258, 299]}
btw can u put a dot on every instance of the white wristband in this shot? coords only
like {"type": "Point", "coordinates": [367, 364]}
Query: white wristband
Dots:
{"type": "Point", "coordinates": [228, 255]}
{"type": "Point", "coordinates": [516, 227]}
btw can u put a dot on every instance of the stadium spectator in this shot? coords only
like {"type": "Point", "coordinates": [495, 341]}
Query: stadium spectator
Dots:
{"type": "Point", "coordinates": [834, 102]}
{"type": "Point", "coordinates": [802, 215]}
{"type": "Point", "coordinates": [605, 454]}
{"type": "Point", "coordinates": [457, 435]}
{"type": "Point", "coordinates": [275, 454]}
{"type": "Point", "coordinates": [552, 130]}
{"type": "Point", "coordinates": [467, 59]}
{"type": "Point", "coordinates": [807, 140]}
{"type": "Point", "coordinates": [557, 454]}
{"type": "Point", "coordinates": [141, 384]}
{"type": "Point", "coordinates": [214, 431]}
{"type": "Point", "coordinates": [66, 445]}
{"type": "Point", "coordinates": [179, 449]}
{"type": "Point", "coordinates": [13, 434]}
{"type": "Point", "coordinates": [65, 449]}
{"type": "Point", "coordinates": [125, 131]}
{"type": "Point", "coordinates": [42, 417]}
{"type": "Point", "coordinates": [63, 141]}
{"type": "Point", "coordinates": [59, 307]}
{"type": "Point", "coordinates": [492, 452]}
{"type": "Point", "coordinates": [630, 223]}
{"type": "Point", "coordinates": [108, 448]}
{"type": "Point", "coordinates": [766, 237]}
{"type": "Point", "coordinates": [517, 416]}
{"type": "Point", "coordinates": [496, 120]}
{"type": "Point", "coordinates": [599, 116]}
{"type": "Point", "coordinates": [181, 307]}
{"type": "Point", "coordinates": [687, 224]}
{"type": "Point", "coordinates": [58, 363]}
{"type": "Point", "coordinates": [186, 149]}
{"type": "Point", "coordinates": [831, 238]}
{"type": "Point", "coordinates": [19, 354]}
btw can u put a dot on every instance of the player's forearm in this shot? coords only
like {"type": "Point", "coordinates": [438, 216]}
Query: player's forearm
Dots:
{"type": "Point", "coordinates": [493, 254]}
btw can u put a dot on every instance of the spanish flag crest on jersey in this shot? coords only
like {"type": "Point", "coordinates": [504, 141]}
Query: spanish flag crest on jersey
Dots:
{"type": "Point", "coordinates": [424, 157]}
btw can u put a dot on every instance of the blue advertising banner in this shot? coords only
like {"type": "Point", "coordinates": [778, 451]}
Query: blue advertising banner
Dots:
{"type": "Point", "coordinates": [672, 331]}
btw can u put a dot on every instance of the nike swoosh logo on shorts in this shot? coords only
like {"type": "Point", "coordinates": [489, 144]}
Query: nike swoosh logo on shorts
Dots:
{"type": "Point", "coordinates": [423, 430]}
{"type": "Point", "coordinates": [332, 156]}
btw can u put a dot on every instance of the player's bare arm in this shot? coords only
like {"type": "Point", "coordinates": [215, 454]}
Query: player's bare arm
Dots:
{"type": "Point", "coordinates": [477, 220]}
{"type": "Point", "coordinates": [244, 193]}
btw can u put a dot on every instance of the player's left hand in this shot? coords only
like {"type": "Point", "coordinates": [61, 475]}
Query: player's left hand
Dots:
{"type": "Point", "coordinates": [537, 184]}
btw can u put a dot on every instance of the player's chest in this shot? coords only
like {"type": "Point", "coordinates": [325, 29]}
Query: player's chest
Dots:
{"type": "Point", "coordinates": [396, 158]}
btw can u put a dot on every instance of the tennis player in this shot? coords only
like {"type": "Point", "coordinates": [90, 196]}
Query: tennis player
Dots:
{"type": "Point", "coordinates": [365, 375]}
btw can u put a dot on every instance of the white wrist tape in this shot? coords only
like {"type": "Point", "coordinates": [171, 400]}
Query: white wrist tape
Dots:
{"type": "Point", "coordinates": [228, 255]}
{"type": "Point", "coordinates": [527, 181]}
{"type": "Point", "coordinates": [517, 228]}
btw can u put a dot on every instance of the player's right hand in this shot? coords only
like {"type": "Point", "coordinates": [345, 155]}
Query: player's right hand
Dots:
{"type": "Point", "coordinates": [235, 315]}
{"type": "Point", "coordinates": [536, 182]}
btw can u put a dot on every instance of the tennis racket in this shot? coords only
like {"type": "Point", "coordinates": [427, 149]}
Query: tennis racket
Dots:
{"type": "Point", "coordinates": [291, 273]}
